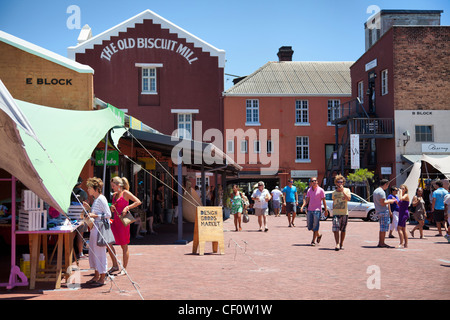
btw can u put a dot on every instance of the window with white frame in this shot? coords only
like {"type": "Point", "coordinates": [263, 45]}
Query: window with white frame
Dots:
{"type": "Point", "coordinates": [301, 112]}
{"type": "Point", "coordinates": [424, 134]}
{"type": "Point", "coordinates": [361, 91]}
{"type": "Point", "coordinates": [252, 111]}
{"type": "Point", "coordinates": [198, 182]}
{"type": "Point", "coordinates": [185, 125]}
{"type": "Point", "coordinates": [302, 148]}
{"type": "Point", "coordinates": [269, 146]}
{"type": "Point", "coordinates": [333, 111]}
{"type": "Point", "coordinates": [149, 80]}
{"type": "Point", "coordinates": [230, 146]}
{"type": "Point", "coordinates": [244, 146]}
{"type": "Point", "coordinates": [256, 146]}
{"type": "Point", "coordinates": [149, 76]}
{"type": "Point", "coordinates": [384, 82]}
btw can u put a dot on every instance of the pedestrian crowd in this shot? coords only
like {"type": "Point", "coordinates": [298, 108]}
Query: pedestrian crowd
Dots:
{"type": "Point", "coordinates": [393, 211]}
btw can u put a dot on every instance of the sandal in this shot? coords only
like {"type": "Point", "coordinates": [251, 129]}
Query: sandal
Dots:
{"type": "Point", "coordinates": [91, 281]}
{"type": "Point", "coordinates": [113, 269]}
{"type": "Point", "coordinates": [319, 238]}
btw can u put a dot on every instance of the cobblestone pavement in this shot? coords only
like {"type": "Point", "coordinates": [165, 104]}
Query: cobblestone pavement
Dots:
{"type": "Point", "coordinates": [276, 265]}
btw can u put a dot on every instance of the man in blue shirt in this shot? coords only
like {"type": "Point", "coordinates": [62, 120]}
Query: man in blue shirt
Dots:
{"type": "Point", "coordinates": [290, 198]}
{"type": "Point", "coordinates": [437, 206]}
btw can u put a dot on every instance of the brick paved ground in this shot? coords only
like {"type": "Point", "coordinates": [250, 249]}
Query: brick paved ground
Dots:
{"type": "Point", "coordinates": [276, 265]}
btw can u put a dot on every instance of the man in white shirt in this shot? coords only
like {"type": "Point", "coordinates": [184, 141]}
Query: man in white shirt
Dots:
{"type": "Point", "coordinates": [276, 201]}
{"type": "Point", "coordinates": [261, 197]}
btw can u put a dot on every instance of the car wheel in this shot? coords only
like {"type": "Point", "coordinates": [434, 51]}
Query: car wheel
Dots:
{"type": "Point", "coordinates": [324, 216]}
{"type": "Point", "coordinates": [372, 216]}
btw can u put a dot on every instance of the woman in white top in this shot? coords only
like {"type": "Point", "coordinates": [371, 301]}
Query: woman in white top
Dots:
{"type": "Point", "coordinates": [99, 209]}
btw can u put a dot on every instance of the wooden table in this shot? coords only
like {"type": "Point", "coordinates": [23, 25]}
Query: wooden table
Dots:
{"type": "Point", "coordinates": [64, 243]}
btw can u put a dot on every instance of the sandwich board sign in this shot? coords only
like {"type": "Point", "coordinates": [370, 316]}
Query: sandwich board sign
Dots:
{"type": "Point", "coordinates": [208, 227]}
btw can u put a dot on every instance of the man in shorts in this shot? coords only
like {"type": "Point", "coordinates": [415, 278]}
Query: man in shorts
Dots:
{"type": "Point", "coordinates": [314, 198]}
{"type": "Point", "coordinates": [276, 194]}
{"type": "Point", "coordinates": [446, 215]}
{"type": "Point", "coordinates": [380, 202]}
{"type": "Point", "coordinates": [437, 206]}
{"type": "Point", "coordinates": [261, 196]}
{"type": "Point", "coordinates": [290, 197]}
{"type": "Point", "coordinates": [340, 211]}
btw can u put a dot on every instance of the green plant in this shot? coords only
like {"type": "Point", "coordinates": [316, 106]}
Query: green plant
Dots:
{"type": "Point", "coordinates": [363, 176]}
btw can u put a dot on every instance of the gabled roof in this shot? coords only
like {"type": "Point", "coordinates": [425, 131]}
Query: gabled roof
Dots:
{"type": "Point", "coordinates": [44, 53]}
{"type": "Point", "coordinates": [294, 78]}
{"type": "Point", "coordinates": [147, 15]}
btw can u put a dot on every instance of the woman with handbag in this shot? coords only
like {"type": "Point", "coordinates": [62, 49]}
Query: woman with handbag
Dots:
{"type": "Point", "coordinates": [100, 213]}
{"type": "Point", "coordinates": [122, 219]}
{"type": "Point", "coordinates": [237, 206]}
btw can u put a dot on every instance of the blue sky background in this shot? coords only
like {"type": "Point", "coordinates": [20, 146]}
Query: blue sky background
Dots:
{"type": "Point", "coordinates": [250, 31]}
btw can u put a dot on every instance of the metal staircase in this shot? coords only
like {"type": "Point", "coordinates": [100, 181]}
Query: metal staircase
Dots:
{"type": "Point", "coordinates": [351, 118]}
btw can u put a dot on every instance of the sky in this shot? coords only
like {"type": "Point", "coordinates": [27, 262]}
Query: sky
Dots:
{"type": "Point", "coordinates": [250, 31]}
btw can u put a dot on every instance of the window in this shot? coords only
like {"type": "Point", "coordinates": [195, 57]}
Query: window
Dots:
{"type": "Point", "coordinates": [185, 125]}
{"type": "Point", "coordinates": [269, 146]}
{"type": "Point", "coordinates": [230, 146]}
{"type": "Point", "coordinates": [149, 76]}
{"type": "Point", "coordinates": [244, 146]}
{"type": "Point", "coordinates": [361, 91]}
{"type": "Point", "coordinates": [256, 146]}
{"type": "Point", "coordinates": [424, 134]}
{"type": "Point", "coordinates": [198, 182]}
{"type": "Point", "coordinates": [252, 112]}
{"type": "Point", "coordinates": [149, 80]}
{"type": "Point", "coordinates": [333, 110]}
{"type": "Point", "coordinates": [384, 82]}
{"type": "Point", "coordinates": [302, 146]}
{"type": "Point", "coordinates": [301, 112]}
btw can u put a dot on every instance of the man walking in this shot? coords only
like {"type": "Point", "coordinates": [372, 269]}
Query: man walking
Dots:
{"type": "Point", "coordinates": [276, 194]}
{"type": "Point", "coordinates": [261, 196]}
{"type": "Point", "coordinates": [290, 198]}
{"type": "Point", "coordinates": [314, 198]}
{"type": "Point", "coordinates": [380, 202]}
{"type": "Point", "coordinates": [437, 206]}
{"type": "Point", "coordinates": [340, 211]}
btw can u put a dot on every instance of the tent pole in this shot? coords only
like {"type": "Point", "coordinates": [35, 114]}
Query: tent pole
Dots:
{"type": "Point", "coordinates": [180, 203]}
{"type": "Point", "coordinates": [104, 164]}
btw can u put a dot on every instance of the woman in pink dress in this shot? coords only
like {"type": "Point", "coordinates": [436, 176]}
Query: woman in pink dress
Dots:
{"type": "Point", "coordinates": [120, 206]}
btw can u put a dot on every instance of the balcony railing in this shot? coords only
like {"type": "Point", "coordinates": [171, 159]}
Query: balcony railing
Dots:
{"type": "Point", "coordinates": [372, 127]}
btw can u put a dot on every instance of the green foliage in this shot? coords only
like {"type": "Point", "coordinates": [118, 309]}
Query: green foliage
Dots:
{"type": "Point", "coordinates": [300, 186]}
{"type": "Point", "coordinates": [360, 175]}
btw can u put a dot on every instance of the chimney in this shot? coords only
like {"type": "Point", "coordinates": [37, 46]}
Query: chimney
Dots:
{"type": "Point", "coordinates": [285, 53]}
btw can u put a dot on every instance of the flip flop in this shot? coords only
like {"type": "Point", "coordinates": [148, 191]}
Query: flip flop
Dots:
{"type": "Point", "coordinates": [319, 238]}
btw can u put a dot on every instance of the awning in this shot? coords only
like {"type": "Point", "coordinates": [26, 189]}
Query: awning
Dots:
{"type": "Point", "coordinates": [200, 153]}
{"type": "Point", "coordinates": [412, 158]}
{"type": "Point", "coordinates": [46, 148]}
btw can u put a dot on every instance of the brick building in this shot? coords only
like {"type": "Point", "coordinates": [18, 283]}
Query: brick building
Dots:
{"type": "Point", "coordinates": [160, 73]}
{"type": "Point", "coordinates": [400, 93]}
{"type": "Point", "coordinates": [278, 119]}
{"type": "Point", "coordinates": [34, 74]}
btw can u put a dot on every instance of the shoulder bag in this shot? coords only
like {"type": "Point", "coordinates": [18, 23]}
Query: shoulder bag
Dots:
{"type": "Point", "coordinates": [105, 235]}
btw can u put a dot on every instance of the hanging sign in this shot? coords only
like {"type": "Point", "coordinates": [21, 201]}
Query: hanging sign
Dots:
{"type": "Point", "coordinates": [112, 158]}
{"type": "Point", "coordinates": [208, 227]}
{"type": "Point", "coordinates": [354, 151]}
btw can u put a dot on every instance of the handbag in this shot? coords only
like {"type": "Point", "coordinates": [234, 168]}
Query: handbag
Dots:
{"type": "Point", "coordinates": [245, 217]}
{"type": "Point", "coordinates": [105, 235]}
{"type": "Point", "coordinates": [127, 219]}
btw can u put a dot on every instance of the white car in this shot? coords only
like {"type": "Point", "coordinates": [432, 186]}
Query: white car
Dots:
{"type": "Point", "coordinates": [357, 208]}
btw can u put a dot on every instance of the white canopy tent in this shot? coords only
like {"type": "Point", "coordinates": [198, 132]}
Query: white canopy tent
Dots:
{"type": "Point", "coordinates": [439, 163]}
